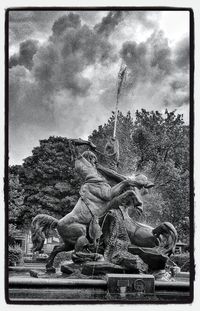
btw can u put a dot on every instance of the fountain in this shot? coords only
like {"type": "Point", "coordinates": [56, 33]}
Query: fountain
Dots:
{"type": "Point", "coordinates": [113, 256]}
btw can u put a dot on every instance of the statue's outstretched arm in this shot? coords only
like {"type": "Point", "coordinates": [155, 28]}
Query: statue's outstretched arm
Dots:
{"type": "Point", "coordinates": [80, 142]}
{"type": "Point", "coordinates": [137, 182]}
{"type": "Point", "coordinates": [110, 173]}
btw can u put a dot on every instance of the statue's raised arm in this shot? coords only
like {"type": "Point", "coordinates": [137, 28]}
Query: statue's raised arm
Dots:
{"type": "Point", "coordinates": [73, 143]}
{"type": "Point", "coordinates": [138, 181]}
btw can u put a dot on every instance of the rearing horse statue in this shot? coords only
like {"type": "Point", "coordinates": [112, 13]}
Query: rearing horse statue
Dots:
{"type": "Point", "coordinates": [97, 197]}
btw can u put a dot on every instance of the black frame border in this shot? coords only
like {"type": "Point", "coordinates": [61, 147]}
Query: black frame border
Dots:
{"type": "Point", "coordinates": [6, 152]}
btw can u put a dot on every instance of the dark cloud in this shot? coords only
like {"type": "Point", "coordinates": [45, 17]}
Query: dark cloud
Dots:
{"type": "Point", "coordinates": [109, 23]}
{"type": "Point", "coordinates": [47, 82]}
{"type": "Point", "coordinates": [67, 21]}
{"type": "Point", "coordinates": [153, 65]}
{"type": "Point", "coordinates": [150, 60]}
{"type": "Point", "coordinates": [135, 57]}
{"type": "Point", "coordinates": [59, 64]}
{"type": "Point", "coordinates": [178, 84]}
{"type": "Point", "coordinates": [160, 52]}
{"type": "Point", "coordinates": [27, 50]}
{"type": "Point", "coordinates": [44, 69]}
{"type": "Point", "coordinates": [86, 43]}
{"type": "Point", "coordinates": [23, 24]}
{"type": "Point", "coordinates": [182, 54]}
{"type": "Point", "coordinates": [41, 17]}
{"type": "Point", "coordinates": [26, 24]}
{"type": "Point", "coordinates": [133, 53]}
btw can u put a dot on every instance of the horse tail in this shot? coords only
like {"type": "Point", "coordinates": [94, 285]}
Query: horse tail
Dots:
{"type": "Point", "coordinates": [167, 230]}
{"type": "Point", "coordinates": [40, 228]}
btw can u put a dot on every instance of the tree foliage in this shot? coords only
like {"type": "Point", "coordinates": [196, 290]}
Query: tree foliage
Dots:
{"type": "Point", "coordinates": [16, 197]}
{"type": "Point", "coordinates": [49, 181]}
{"type": "Point", "coordinates": [163, 145]}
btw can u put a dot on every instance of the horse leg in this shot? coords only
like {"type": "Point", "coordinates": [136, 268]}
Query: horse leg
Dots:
{"type": "Point", "coordinates": [123, 198]}
{"type": "Point", "coordinates": [57, 249]}
{"type": "Point", "coordinates": [71, 232]}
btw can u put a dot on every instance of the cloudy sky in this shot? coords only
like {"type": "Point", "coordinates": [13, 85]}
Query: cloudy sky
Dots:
{"type": "Point", "coordinates": [64, 66]}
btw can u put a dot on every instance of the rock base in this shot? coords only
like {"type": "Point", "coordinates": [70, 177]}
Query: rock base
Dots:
{"type": "Point", "coordinates": [41, 274]}
{"type": "Point", "coordinates": [101, 268]}
{"type": "Point", "coordinates": [69, 267]}
{"type": "Point", "coordinates": [97, 268]}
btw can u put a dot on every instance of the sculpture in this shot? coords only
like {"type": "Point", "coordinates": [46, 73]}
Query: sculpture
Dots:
{"type": "Point", "coordinates": [97, 197]}
{"type": "Point", "coordinates": [123, 236]}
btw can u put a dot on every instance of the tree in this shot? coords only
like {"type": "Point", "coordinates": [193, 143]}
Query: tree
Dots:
{"type": "Point", "coordinates": [50, 183]}
{"type": "Point", "coordinates": [15, 205]}
{"type": "Point", "coordinates": [16, 197]}
{"type": "Point", "coordinates": [163, 149]}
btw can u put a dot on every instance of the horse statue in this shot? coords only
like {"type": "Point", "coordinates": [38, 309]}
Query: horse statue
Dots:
{"type": "Point", "coordinates": [123, 236]}
{"type": "Point", "coordinates": [97, 197]}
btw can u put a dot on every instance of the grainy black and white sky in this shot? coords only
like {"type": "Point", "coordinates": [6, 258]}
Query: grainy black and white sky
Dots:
{"type": "Point", "coordinates": [64, 66]}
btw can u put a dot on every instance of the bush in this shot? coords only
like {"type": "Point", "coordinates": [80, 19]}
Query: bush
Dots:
{"type": "Point", "coordinates": [12, 232]}
{"type": "Point", "coordinates": [15, 255]}
{"type": "Point", "coordinates": [182, 261]}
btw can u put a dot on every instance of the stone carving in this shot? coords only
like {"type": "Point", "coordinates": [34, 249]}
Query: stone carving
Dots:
{"type": "Point", "coordinates": [97, 197]}
{"type": "Point", "coordinates": [126, 240]}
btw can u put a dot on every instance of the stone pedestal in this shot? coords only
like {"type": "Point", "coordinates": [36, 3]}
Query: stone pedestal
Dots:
{"type": "Point", "coordinates": [130, 285]}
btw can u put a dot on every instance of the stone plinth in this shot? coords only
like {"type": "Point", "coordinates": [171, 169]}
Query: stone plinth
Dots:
{"type": "Point", "coordinates": [130, 284]}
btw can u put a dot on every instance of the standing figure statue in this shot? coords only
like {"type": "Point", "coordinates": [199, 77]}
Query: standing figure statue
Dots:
{"type": "Point", "coordinates": [97, 197]}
